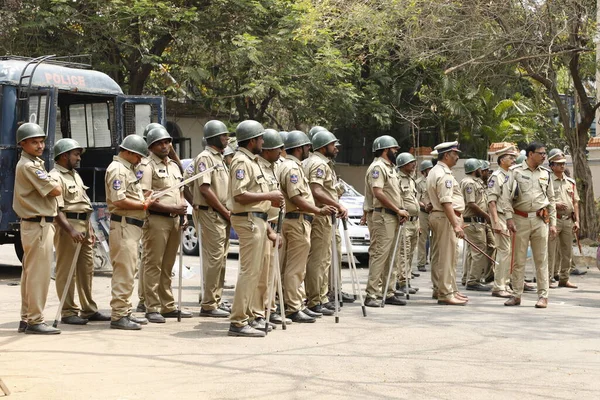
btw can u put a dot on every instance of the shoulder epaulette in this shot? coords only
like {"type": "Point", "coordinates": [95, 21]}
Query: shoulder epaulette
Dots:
{"type": "Point", "coordinates": [545, 168]}
{"type": "Point", "coordinates": [515, 166]}
{"type": "Point", "coordinates": [571, 180]}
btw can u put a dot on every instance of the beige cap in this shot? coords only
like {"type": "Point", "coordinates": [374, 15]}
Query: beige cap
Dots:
{"type": "Point", "coordinates": [510, 150]}
{"type": "Point", "coordinates": [447, 146]}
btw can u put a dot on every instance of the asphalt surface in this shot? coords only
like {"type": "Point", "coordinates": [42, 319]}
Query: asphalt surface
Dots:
{"type": "Point", "coordinates": [419, 351]}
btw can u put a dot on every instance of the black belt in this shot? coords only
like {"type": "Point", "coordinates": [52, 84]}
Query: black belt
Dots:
{"type": "Point", "coordinates": [474, 219]}
{"type": "Point", "coordinates": [162, 214]}
{"type": "Point", "coordinates": [385, 210]}
{"type": "Point", "coordinates": [129, 220]}
{"type": "Point", "coordinates": [273, 225]}
{"type": "Point", "coordinates": [294, 215]}
{"type": "Point", "coordinates": [79, 216]}
{"type": "Point", "coordinates": [260, 215]}
{"type": "Point", "coordinates": [205, 208]}
{"type": "Point", "coordinates": [412, 218]}
{"type": "Point", "coordinates": [38, 219]}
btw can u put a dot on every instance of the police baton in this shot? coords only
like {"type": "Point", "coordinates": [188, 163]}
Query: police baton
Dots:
{"type": "Point", "coordinates": [353, 271]}
{"type": "Point", "coordinates": [481, 251]}
{"type": "Point", "coordinates": [391, 266]}
{"type": "Point", "coordinates": [179, 285]}
{"type": "Point", "coordinates": [334, 260]}
{"type": "Point", "coordinates": [274, 270]}
{"type": "Point", "coordinates": [68, 285]}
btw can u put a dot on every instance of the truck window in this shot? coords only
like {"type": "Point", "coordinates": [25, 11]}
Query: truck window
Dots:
{"type": "Point", "coordinates": [38, 109]}
{"type": "Point", "coordinates": [89, 124]}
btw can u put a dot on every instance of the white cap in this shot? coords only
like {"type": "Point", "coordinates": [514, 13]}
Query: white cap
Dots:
{"type": "Point", "coordinates": [447, 146]}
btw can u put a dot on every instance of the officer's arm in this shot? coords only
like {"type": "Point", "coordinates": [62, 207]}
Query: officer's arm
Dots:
{"type": "Point", "coordinates": [493, 212]}
{"type": "Point", "coordinates": [383, 199]}
{"type": "Point", "coordinates": [129, 204]}
{"type": "Point", "coordinates": [212, 200]}
{"type": "Point", "coordinates": [321, 196]}
{"type": "Point", "coordinates": [478, 211]}
{"type": "Point", "coordinates": [56, 191]}
{"type": "Point", "coordinates": [78, 237]}
{"type": "Point", "coordinates": [305, 206]}
{"type": "Point", "coordinates": [187, 193]}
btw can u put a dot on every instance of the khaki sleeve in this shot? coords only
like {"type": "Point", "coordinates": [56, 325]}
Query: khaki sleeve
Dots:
{"type": "Point", "coordinates": [147, 172]}
{"type": "Point", "coordinates": [59, 199]}
{"type": "Point", "coordinates": [377, 177]}
{"type": "Point", "coordinates": [468, 192]}
{"type": "Point", "coordinates": [444, 188]}
{"type": "Point", "coordinates": [116, 185]}
{"type": "Point", "coordinates": [239, 178]}
{"type": "Point", "coordinates": [39, 179]}
{"type": "Point", "coordinates": [202, 165]}
{"type": "Point", "coordinates": [293, 183]}
{"type": "Point", "coordinates": [552, 205]}
{"type": "Point", "coordinates": [317, 174]}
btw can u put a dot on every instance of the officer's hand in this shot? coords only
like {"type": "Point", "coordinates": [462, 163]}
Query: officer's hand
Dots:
{"type": "Point", "coordinates": [458, 231]}
{"type": "Point", "coordinates": [553, 232]}
{"type": "Point", "coordinates": [429, 207]}
{"type": "Point", "coordinates": [185, 222]}
{"type": "Point", "coordinates": [276, 198]}
{"type": "Point", "coordinates": [78, 237]}
{"type": "Point", "coordinates": [576, 227]}
{"type": "Point", "coordinates": [227, 216]}
{"type": "Point", "coordinates": [342, 212]}
{"type": "Point", "coordinates": [272, 237]}
{"type": "Point", "coordinates": [510, 225]}
{"type": "Point", "coordinates": [363, 220]}
{"type": "Point", "coordinates": [180, 209]}
{"type": "Point", "coordinates": [327, 210]}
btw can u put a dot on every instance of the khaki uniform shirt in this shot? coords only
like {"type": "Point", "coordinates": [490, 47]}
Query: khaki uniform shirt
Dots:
{"type": "Point", "coordinates": [422, 195]}
{"type": "Point", "coordinates": [368, 202]}
{"type": "Point", "coordinates": [442, 187]}
{"type": "Point", "coordinates": [319, 170]}
{"type": "Point", "coordinates": [158, 175]}
{"type": "Point", "coordinates": [270, 173]}
{"type": "Point", "coordinates": [32, 185]}
{"type": "Point", "coordinates": [473, 192]}
{"type": "Point", "coordinates": [565, 191]}
{"type": "Point", "coordinates": [74, 199]}
{"type": "Point", "coordinates": [532, 190]}
{"type": "Point", "coordinates": [498, 190]}
{"type": "Point", "coordinates": [385, 176]}
{"type": "Point", "coordinates": [122, 182]}
{"type": "Point", "coordinates": [218, 179]}
{"type": "Point", "coordinates": [293, 183]}
{"type": "Point", "coordinates": [246, 175]}
{"type": "Point", "coordinates": [408, 189]}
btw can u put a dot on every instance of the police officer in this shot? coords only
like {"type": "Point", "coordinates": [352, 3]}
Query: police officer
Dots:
{"type": "Point", "coordinates": [490, 249]}
{"type": "Point", "coordinates": [384, 183]}
{"type": "Point", "coordinates": [211, 215]}
{"type": "Point", "coordinates": [300, 208]}
{"type": "Point", "coordinates": [533, 209]}
{"type": "Point", "coordinates": [500, 209]}
{"type": "Point", "coordinates": [228, 155]}
{"type": "Point", "coordinates": [475, 218]}
{"type": "Point", "coordinates": [407, 164]}
{"type": "Point", "coordinates": [249, 201]}
{"type": "Point", "coordinates": [127, 206]}
{"type": "Point", "coordinates": [72, 226]}
{"type": "Point", "coordinates": [322, 179]}
{"type": "Point", "coordinates": [161, 233]}
{"type": "Point", "coordinates": [567, 220]}
{"type": "Point", "coordinates": [424, 210]}
{"type": "Point", "coordinates": [446, 225]}
{"type": "Point", "coordinates": [34, 201]}
{"type": "Point", "coordinates": [367, 217]}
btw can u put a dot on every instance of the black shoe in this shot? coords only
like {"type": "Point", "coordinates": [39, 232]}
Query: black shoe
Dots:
{"type": "Point", "coordinates": [311, 313]}
{"type": "Point", "coordinates": [330, 306]}
{"type": "Point", "coordinates": [300, 317]}
{"type": "Point", "coordinates": [576, 272]}
{"type": "Point", "coordinates": [98, 316]}
{"type": "Point", "coordinates": [370, 302]}
{"type": "Point", "coordinates": [22, 326]}
{"type": "Point", "coordinates": [141, 307]}
{"type": "Point", "coordinates": [411, 290]}
{"type": "Point", "coordinates": [226, 286]}
{"type": "Point", "coordinates": [478, 287]}
{"type": "Point", "coordinates": [489, 279]}
{"type": "Point", "coordinates": [216, 313]}
{"type": "Point", "coordinates": [245, 331]}
{"type": "Point", "coordinates": [155, 318]}
{"type": "Point", "coordinates": [175, 314]}
{"type": "Point", "coordinates": [556, 278]}
{"type": "Point", "coordinates": [347, 298]}
{"type": "Point", "coordinates": [126, 324]}
{"type": "Point", "coordinates": [421, 268]}
{"type": "Point", "coordinates": [399, 293]}
{"type": "Point", "coordinates": [322, 310]}
{"type": "Point", "coordinates": [74, 320]}
{"type": "Point", "coordinates": [276, 318]}
{"type": "Point", "coordinates": [395, 300]}
{"type": "Point", "coordinates": [140, 321]}
{"type": "Point", "coordinates": [41, 329]}
{"type": "Point", "coordinates": [259, 323]}
{"type": "Point", "coordinates": [415, 274]}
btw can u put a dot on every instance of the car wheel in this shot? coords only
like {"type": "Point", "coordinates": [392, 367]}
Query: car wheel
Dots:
{"type": "Point", "coordinates": [363, 259]}
{"type": "Point", "coordinates": [190, 240]}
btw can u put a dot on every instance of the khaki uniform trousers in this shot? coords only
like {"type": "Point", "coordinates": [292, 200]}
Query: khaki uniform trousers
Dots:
{"type": "Point", "coordinates": [503, 257]}
{"type": "Point", "coordinates": [477, 262]}
{"type": "Point", "coordinates": [296, 246]}
{"type": "Point", "coordinates": [384, 231]}
{"type": "Point", "coordinates": [252, 233]}
{"type": "Point", "coordinates": [560, 250]}
{"type": "Point", "coordinates": [408, 244]}
{"type": "Point", "coordinates": [532, 230]}
{"type": "Point", "coordinates": [261, 299]}
{"type": "Point", "coordinates": [83, 274]}
{"type": "Point", "coordinates": [372, 239]}
{"type": "Point", "coordinates": [423, 236]}
{"type": "Point", "coordinates": [124, 241]}
{"type": "Point", "coordinates": [215, 247]}
{"type": "Point", "coordinates": [491, 251]}
{"type": "Point", "coordinates": [36, 238]}
{"type": "Point", "coordinates": [444, 255]}
{"type": "Point", "coordinates": [319, 260]}
{"type": "Point", "coordinates": [161, 237]}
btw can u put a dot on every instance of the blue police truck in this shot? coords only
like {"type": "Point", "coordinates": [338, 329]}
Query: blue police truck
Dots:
{"type": "Point", "coordinates": [68, 99]}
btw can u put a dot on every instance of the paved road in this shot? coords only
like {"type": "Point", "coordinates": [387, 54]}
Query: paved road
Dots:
{"type": "Point", "coordinates": [421, 351]}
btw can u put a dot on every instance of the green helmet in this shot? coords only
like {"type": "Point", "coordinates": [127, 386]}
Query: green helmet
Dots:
{"type": "Point", "coordinates": [322, 139]}
{"type": "Point", "coordinates": [214, 128]}
{"type": "Point", "coordinates": [314, 130]}
{"type": "Point", "coordinates": [136, 144]}
{"type": "Point", "coordinates": [553, 153]}
{"type": "Point", "coordinates": [284, 135]}
{"type": "Point", "coordinates": [228, 151]}
{"type": "Point", "coordinates": [272, 140]}
{"type": "Point", "coordinates": [425, 165]}
{"type": "Point", "coordinates": [384, 142]}
{"type": "Point", "coordinates": [296, 139]}
{"type": "Point", "coordinates": [472, 165]}
{"type": "Point", "coordinates": [485, 165]}
{"type": "Point", "coordinates": [157, 134]}
{"type": "Point", "coordinates": [65, 145]}
{"type": "Point", "coordinates": [29, 130]}
{"type": "Point", "coordinates": [404, 158]}
{"type": "Point", "coordinates": [149, 127]}
{"type": "Point", "coordinates": [248, 129]}
{"type": "Point", "coordinates": [520, 159]}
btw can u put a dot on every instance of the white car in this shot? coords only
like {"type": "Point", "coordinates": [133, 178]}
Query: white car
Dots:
{"type": "Point", "coordinates": [351, 199]}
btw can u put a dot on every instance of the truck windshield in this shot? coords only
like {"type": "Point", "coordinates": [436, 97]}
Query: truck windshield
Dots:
{"type": "Point", "coordinates": [90, 124]}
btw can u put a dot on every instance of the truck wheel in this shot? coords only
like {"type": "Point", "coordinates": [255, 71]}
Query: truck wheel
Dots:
{"type": "Point", "coordinates": [363, 259]}
{"type": "Point", "coordinates": [19, 248]}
